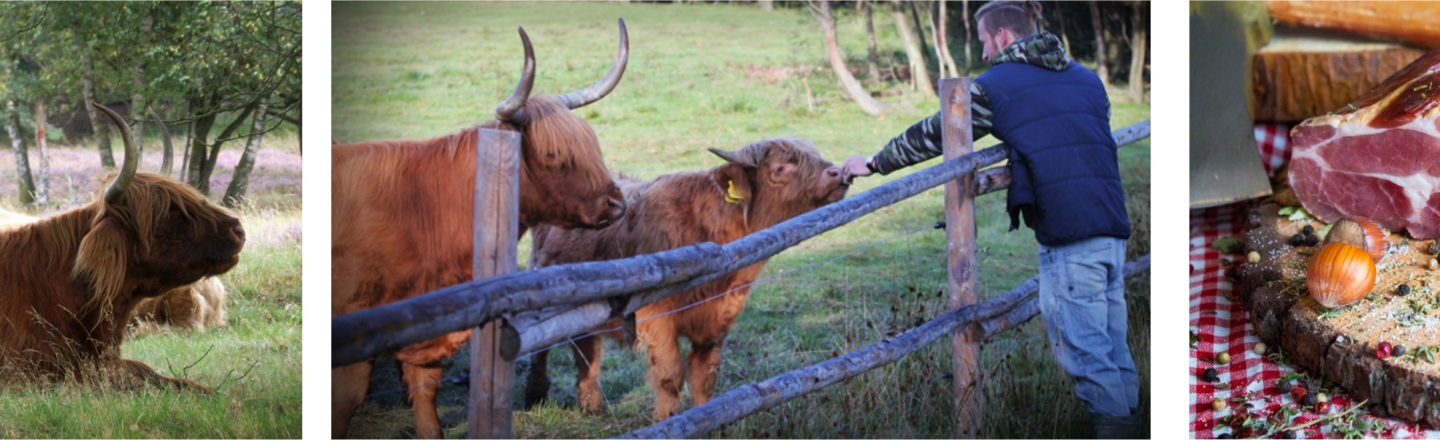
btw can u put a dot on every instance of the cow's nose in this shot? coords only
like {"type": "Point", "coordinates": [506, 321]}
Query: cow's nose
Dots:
{"type": "Point", "coordinates": [833, 172]}
{"type": "Point", "coordinates": [239, 232]}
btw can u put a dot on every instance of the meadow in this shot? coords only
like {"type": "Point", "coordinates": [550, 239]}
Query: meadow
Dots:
{"type": "Point", "coordinates": [253, 364]}
{"type": "Point", "coordinates": [722, 76]}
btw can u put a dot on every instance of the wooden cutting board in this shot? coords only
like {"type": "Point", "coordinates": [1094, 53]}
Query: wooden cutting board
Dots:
{"type": "Point", "coordinates": [1340, 344]}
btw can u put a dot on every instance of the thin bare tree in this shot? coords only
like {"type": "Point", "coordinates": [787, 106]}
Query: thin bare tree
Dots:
{"type": "Point", "coordinates": [867, 103]}
{"type": "Point", "coordinates": [1137, 55]}
{"type": "Point", "coordinates": [872, 59]}
{"type": "Point", "coordinates": [919, 74]}
{"type": "Point", "coordinates": [42, 185]}
{"type": "Point", "coordinates": [965, 13]}
{"type": "Point", "coordinates": [1100, 68]}
{"type": "Point", "coordinates": [940, 30]}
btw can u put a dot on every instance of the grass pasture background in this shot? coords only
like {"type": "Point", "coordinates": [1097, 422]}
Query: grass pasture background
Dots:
{"type": "Point", "coordinates": [264, 315]}
{"type": "Point", "coordinates": [722, 76]}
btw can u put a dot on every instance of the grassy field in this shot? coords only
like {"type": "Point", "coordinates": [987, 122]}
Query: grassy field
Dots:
{"type": "Point", "coordinates": [723, 76]}
{"type": "Point", "coordinates": [254, 364]}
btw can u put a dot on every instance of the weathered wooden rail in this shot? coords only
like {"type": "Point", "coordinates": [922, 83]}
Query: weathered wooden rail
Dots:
{"type": "Point", "coordinates": [527, 311]}
{"type": "Point", "coordinates": [364, 334]}
{"type": "Point", "coordinates": [748, 399]}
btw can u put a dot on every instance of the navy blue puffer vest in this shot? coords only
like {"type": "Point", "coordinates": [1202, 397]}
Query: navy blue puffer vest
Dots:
{"type": "Point", "coordinates": [1065, 178]}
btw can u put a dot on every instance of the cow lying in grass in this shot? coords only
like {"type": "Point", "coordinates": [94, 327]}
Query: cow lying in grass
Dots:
{"type": "Point", "coordinates": [761, 184]}
{"type": "Point", "coordinates": [195, 307]}
{"type": "Point", "coordinates": [68, 281]}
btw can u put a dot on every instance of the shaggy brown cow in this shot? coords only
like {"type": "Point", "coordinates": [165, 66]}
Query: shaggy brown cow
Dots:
{"type": "Point", "coordinates": [69, 280]}
{"type": "Point", "coordinates": [195, 307]}
{"type": "Point", "coordinates": [403, 215]}
{"type": "Point", "coordinates": [762, 184]}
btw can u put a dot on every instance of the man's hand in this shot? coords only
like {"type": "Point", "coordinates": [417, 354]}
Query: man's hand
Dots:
{"type": "Point", "coordinates": [854, 167]}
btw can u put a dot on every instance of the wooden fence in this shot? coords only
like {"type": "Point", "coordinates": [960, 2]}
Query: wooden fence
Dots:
{"type": "Point", "coordinates": [535, 309]}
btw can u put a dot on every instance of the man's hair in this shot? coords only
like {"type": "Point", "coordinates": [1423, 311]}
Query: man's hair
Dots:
{"type": "Point", "coordinates": [1017, 16]}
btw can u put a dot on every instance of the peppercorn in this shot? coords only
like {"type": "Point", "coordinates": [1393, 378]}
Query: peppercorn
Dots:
{"type": "Point", "coordinates": [1434, 247]}
{"type": "Point", "coordinates": [1253, 257]}
{"type": "Point", "coordinates": [1311, 240]}
{"type": "Point", "coordinates": [1225, 435]}
{"type": "Point", "coordinates": [1298, 393]}
{"type": "Point", "coordinates": [1210, 375]}
{"type": "Point", "coordinates": [1260, 348]}
{"type": "Point", "coordinates": [1310, 400]}
{"type": "Point", "coordinates": [1297, 239]}
{"type": "Point", "coordinates": [1287, 434]}
{"type": "Point", "coordinates": [1383, 350]}
{"type": "Point", "coordinates": [1308, 230]}
{"type": "Point", "coordinates": [1218, 404]}
{"type": "Point", "coordinates": [1283, 387]}
{"type": "Point", "coordinates": [1398, 351]}
{"type": "Point", "coordinates": [1322, 407]}
{"type": "Point", "coordinates": [1402, 290]}
{"type": "Point", "coordinates": [1222, 358]}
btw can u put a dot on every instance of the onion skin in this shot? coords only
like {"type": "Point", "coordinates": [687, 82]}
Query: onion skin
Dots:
{"type": "Point", "coordinates": [1340, 274]}
{"type": "Point", "coordinates": [1359, 232]}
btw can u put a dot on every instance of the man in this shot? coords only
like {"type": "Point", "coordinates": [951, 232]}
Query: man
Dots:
{"type": "Point", "coordinates": [1065, 182]}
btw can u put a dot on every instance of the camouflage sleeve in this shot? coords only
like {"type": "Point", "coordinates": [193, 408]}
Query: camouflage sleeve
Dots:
{"type": "Point", "coordinates": [922, 141]}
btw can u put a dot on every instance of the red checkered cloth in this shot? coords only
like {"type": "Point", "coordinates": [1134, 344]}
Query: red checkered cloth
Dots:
{"type": "Point", "coordinates": [1249, 381]}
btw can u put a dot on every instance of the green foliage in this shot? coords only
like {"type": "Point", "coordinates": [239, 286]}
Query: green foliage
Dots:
{"type": "Point", "coordinates": [722, 76]}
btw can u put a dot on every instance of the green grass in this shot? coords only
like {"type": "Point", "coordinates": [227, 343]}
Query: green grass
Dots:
{"type": "Point", "coordinates": [254, 364]}
{"type": "Point", "coordinates": [722, 76]}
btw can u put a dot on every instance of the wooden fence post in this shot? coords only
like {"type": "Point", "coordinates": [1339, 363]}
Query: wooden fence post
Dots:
{"type": "Point", "coordinates": [497, 227]}
{"type": "Point", "coordinates": [960, 241]}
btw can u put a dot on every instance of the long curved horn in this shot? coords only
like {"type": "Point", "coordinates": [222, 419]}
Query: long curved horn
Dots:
{"type": "Point", "coordinates": [584, 97]}
{"type": "Point", "coordinates": [132, 156]}
{"type": "Point", "coordinates": [164, 139]}
{"type": "Point", "coordinates": [507, 110]}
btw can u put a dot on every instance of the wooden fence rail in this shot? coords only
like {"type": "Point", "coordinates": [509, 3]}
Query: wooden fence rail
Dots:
{"type": "Point", "coordinates": [364, 334]}
{"type": "Point", "coordinates": [754, 397]}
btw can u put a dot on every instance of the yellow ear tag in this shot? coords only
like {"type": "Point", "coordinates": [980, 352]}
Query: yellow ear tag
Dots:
{"type": "Point", "coordinates": [733, 196]}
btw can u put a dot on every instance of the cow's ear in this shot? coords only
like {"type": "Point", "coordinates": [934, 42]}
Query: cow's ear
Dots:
{"type": "Point", "coordinates": [102, 261]}
{"type": "Point", "coordinates": [733, 181]}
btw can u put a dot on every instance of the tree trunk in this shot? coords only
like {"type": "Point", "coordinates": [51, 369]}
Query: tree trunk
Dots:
{"type": "Point", "coordinates": [240, 181]}
{"type": "Point", "coordinates": [767, 5]}
{"type": "Point", "coordinates": [208, 167]}
{"type": "Point", "coordinates": [1064, 39]}
{"type": "Point", "coordinates": [1137, 56]}
{"type": "Point", "coordinates": [965, 12]}
{"type": "Point", "coordinates": [872, 60]}
{"type": "Point", "coordinates": [195, 160]}
{"type": "Point", "coordinates": [137, 83]}
{"type": "Point", "coordinates": [919, 74]}
{"type": "Point", "coordinates": [919, 33]}
{"type": "Point", "coordinates": [42, 187]}
{"type": "Point", "coordinates": [22, 158]}
{"type": "Point", "coordinates": [941, 32]}
{"type": "Point", "coordinates": [87, 90]}
{"type": "Point", "coordinates": [1099, 44]}
{"type": "Point", "coordinates": [852, 87]}
{"type": "Point", "coordinates": [167, 152]}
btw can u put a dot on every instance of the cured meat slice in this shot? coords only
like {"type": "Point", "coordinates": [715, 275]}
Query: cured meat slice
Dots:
{"type": "Point", "coordinates": [1379, 157]}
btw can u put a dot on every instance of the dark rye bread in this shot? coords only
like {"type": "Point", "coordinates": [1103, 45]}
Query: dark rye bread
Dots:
{"type": "Point", "coordinates": [1341, 348]}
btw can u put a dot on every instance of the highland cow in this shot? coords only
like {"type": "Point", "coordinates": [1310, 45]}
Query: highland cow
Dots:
{"type": "Point", "coordinates": [403, 215]}
{"type": "Point", "coordinates": [760, 185]}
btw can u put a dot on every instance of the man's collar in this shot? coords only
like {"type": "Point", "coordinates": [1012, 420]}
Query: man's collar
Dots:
{"type": "Point", "coordinates": [1042, 49]}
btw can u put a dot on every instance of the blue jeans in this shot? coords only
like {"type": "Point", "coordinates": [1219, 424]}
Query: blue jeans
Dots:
{"type": "Point", "coordinates": [1082, 298]}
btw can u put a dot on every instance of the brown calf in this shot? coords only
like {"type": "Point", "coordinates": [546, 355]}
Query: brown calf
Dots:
{"type": "Point", "coordinates": [403, 217]}
{"type": "Point", "coordinates": [762, 184]}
